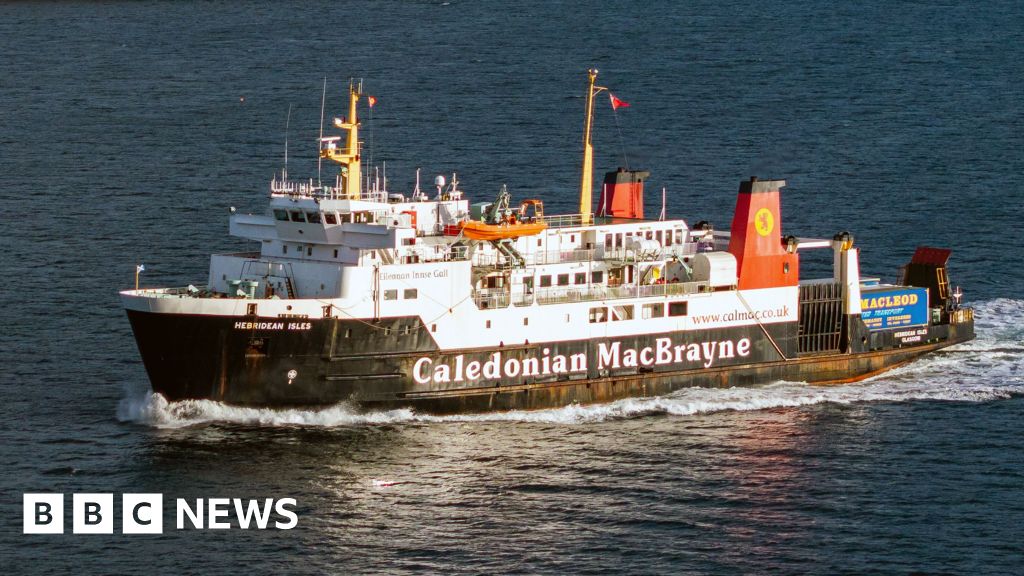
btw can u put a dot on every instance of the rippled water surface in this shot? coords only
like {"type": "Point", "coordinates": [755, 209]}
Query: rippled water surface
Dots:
{"type": "Point", "coordinates": [130, 128]}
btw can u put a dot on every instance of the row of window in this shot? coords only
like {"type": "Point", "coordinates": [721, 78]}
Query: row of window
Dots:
{"type": "Point", "coordinates": [596, 277]}
{"type": "Point", "coordinates": [301, 216]}
{"type": "Point", "coordinates": [626, 312]}
{"type": "Point", "coordinates": [407, 294]}
{"type": "Point", "coordinates": [299, 249]}
{"type": "Point", "coordinates": [664, 237]}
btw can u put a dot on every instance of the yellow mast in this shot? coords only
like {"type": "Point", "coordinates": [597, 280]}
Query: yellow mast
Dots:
{"type": "Point", "coordinates": [350, 160]}
{"type": "Point", "coordinates": [587, 177]}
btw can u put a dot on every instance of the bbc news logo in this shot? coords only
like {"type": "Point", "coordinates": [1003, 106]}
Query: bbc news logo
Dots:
{"type": "Point", "coordinates": [144, 513]}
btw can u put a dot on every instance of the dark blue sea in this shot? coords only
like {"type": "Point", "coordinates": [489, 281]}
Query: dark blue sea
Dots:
{"type": "Point", "coordinates": [128, 130]}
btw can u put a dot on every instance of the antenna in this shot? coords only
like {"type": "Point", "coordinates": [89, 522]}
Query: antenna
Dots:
{"type": "Point", "coordinates": [320, 158]}
{"type": "Point", "coordinates": [287, 124]}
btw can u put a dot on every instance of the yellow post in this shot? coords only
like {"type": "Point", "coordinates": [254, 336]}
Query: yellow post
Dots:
{"type": "Point", "coordinates": [354, 179]}
{"type": "Point", "coordinates": [350, 159]}
{"type": "Point", "coordinates": [587, 178]}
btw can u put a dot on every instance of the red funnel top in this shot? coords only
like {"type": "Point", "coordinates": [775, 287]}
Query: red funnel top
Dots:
{"type": "Point", "coordinates": [622, 195]}
{"type": "Point", "coordinates": [756, 237]}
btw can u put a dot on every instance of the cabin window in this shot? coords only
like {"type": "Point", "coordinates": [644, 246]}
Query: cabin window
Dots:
{"type": "Point", "coordinates": [526, 321]}
{"type": "Point", "coordinates": [297, 216]}
{"type": "Point", "coordinates": [657, 236]}
{"type": "Point", "coordinates": [608, 241]}
{"type": "Point", "coordinates": [335, 252]}
{"type": "Point", "coordinates": [679, 236]}
{"type": "Point", "coordinates": [653, 311]}
{"type": "Point", "coordinates": [563, 279]}
{"type": "Point", "coordinates": [433, 327]}
{"type": "Point", "coordinates": [677, 308]}
{"type": "Point", "coordinates": [281, 215]}
{"type": "Point", "coordinates": [649, 235]}
{"type": "Point", "coordinates": [572, 237]}
{"type": "Point", "coordinates": [309, 250]}
{"type": "Point", "coordinates": [581, 278]}
{"type": "Point", "coordinates": [410, 294]}
{"type": "Point", "coordinates": [330, 218]}
{"type": "Point", "coordinates": [597, 277]}
{"type": "Point", "coordinates": [545, 281]}
{"type": "Point", "coordinates": [409, 241]}
{"type": "Point", "coordinates": [284, 249]}
{"type": "Point", "coordinates": [348, 333]}
{"type": "Point", "coordinates": [618, 240]}
{"type": "Point", "coordinates": [391, 294]}
{"type": "Point", "coordinates": [599, 314]}
{"type": "Point", "coordinates": [539, 243]}
{"type": "Point", "coordinates": [488, 324]}
{"type": "Point", "coordinates": [313, 217]}
{"type": "Point", "coordinates": [622, 312]}
{"type": "Point", "coordinates": [668, 237]}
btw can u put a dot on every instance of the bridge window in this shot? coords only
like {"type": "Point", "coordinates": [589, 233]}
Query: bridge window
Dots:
{"type": "Point", "coordinates": [677, 308]}
{"type": "Point", "coordinates": [545, 281]}
{"type": "Point", "coordinates": [599, 314]}
{"type": "Point", "coordinates": [653, 310]}
{"type": "Point", "coordinates": [281, 215]}
{"type": "Point", "coordinates": [330, 218]}
{"type": "Point", "coordinates": [563, 279]}
{"type": "Point", "coordinates": [297, 216]}
{"type": "Point", "coordinates": [581, 278]}
{"type": "Point", "coordinates": [596, 277]}
{"type": "Point", "coordinates": [313, 217]}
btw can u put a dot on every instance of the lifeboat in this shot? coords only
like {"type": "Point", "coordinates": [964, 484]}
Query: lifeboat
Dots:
{"type": "Point", "coordinates": [477, 230]}
{"type": "Point", "coordinates": [511, 226]}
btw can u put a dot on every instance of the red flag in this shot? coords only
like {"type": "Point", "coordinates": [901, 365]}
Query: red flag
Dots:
{"type": "Point", "coordinates": [372, 100]}
{"type": "Point", "coordinates": [616, 103]}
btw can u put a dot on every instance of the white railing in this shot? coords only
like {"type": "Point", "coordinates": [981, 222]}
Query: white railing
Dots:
{"type": "Point", "coordinates": [582, 294]}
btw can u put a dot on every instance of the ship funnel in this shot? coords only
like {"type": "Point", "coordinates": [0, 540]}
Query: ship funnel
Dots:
{"type": "Point", "coordinates": [762, 260]}
{"type": "Point", "coordinates": [622, 195]}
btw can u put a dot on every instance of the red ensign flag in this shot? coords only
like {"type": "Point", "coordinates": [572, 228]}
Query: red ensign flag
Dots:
{"type": "Point", "coordinates": [372, 100]}
{"type": "Point", "coordinates": [616, 103]}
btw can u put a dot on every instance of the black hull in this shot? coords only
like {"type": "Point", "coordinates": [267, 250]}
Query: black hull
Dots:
{"type": "Point", "coordinates": [380, 365]}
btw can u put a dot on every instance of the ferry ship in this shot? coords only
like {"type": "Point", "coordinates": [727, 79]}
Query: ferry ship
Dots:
{"type": "Point", "coordinates": [424, 300]}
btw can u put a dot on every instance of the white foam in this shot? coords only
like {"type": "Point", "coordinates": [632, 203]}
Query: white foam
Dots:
{"type": "Point", "coordinates": [988, 368]}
